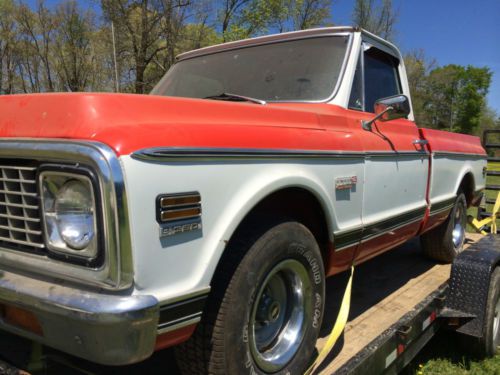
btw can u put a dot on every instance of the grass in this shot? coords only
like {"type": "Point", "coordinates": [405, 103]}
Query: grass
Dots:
{"type": "Point", "coordinates": [443, 366]}
{"type": "Point", "coordinates": [443, 355]}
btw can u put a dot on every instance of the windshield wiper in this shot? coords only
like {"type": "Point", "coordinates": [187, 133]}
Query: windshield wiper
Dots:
{"type": "Point", "coordinates": [235, 97]}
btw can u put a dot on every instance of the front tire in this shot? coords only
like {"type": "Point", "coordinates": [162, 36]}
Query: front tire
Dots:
{"type": "Point", "coordinates": [265, 309]}
{"type": "Point", "coordinates": [446, 241]}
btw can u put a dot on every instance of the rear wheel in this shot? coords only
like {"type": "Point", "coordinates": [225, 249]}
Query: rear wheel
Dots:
{"type": "Point", "coordinates": [265, 310]}
{"type": "Point", "coordinates": [446, 241]}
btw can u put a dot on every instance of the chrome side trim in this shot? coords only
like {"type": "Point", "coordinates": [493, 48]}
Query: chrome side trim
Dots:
{"type": "Point", "coordinates": [184, 323]}
{"type": "Point", "coordinates": [183, 312]}
{"type": "Point", "coordinates": [159, 154]}
{"type": "Point", "coordinates": [352, 237]}
{"type": "Point", "coordinates": [117, 271]}
{"type": "Point", "coordinates": [458, 154]}
{"type": "Point", "coordinates": [193, 294]}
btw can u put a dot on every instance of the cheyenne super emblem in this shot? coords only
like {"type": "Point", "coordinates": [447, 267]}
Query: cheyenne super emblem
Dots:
{"type": "Point", "coordinates": [344, 183]}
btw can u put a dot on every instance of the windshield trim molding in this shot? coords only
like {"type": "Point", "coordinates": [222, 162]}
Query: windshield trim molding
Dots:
{"type": "Point", "coordinates": [268, 39]}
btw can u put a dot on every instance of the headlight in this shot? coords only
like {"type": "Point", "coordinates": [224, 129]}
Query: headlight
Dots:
{"type": "Point", "coordinates": [69, 211]}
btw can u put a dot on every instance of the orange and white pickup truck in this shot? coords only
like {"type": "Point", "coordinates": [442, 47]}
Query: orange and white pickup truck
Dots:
{"type": "Point", "coordinates": [208, 214]}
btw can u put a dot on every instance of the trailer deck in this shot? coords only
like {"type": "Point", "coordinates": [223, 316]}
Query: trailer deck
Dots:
{"type": "Point", "coordinates": [384, 290]}
{"type": "Point", "coordinates": [389, 290]}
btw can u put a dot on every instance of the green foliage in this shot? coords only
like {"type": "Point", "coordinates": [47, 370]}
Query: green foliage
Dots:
{"type": "Point", "coordinates": [450, 97]}
{"type": "Point", "coordinates": [490, 366]}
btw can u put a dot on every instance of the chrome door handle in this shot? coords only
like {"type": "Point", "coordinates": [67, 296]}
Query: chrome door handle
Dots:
{"type": "Point", "coordinates": [420, 142]}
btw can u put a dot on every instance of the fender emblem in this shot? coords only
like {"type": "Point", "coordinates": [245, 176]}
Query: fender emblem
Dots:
{"type": "Point", "coordinates": [167, 230]}
{"type": "Point", "coordinates": [344, 183]}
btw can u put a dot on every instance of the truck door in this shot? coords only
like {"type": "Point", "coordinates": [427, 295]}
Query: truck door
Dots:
{"type": "Point", "coordinates": [396, 166]}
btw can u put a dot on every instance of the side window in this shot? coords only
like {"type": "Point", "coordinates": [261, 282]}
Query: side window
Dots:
{"type": "Point", "coordinates": [356, 98]}
{"type": "Point", "coordinates": [381, 76]}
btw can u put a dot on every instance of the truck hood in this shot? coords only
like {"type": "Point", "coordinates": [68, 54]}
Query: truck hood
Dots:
{"type": "Point", "coordinates": [131, 122]}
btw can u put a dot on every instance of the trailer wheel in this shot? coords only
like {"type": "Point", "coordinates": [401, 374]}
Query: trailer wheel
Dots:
{"type": "Point", "coordinates": [446, 241]}
{"type": "Point", "coordinates": [264, 312]}
{"type": "Point", "coordinates": [487, 345]}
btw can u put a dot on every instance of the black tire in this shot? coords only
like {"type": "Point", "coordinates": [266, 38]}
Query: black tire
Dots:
{"type": "Point", "coordinates": [440, 243]}
{"type": "Point", "coordinates": [271, 261]}
{"type": "Point", "coordinates": [490, 342]}
{"type": "Point", "coordinates": [488, 345]}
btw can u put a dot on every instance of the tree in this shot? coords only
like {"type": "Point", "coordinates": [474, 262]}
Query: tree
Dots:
{"type": "Point", "coordinates": [310, 13]}
{"type": "Point", "coordinates": [146, 28]}
{"type": "Point", "coordinates": [379, 20]}
{"type": "Point", "coordinates": [418, 67]}
{"type": "Point", "coordinates": [37, 29]}
{"type": "Point", "coordinates": [456, 97]}
{"type": "Point", "coordinates": [74, 51]}
{"type": "Point", "coordinates": [246, 18]}
{"type": "Point", "coordinates": [8, 46]}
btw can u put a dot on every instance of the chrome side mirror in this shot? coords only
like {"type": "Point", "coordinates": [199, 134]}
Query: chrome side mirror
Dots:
{"type": "Point", "coordinates": [387, 109]}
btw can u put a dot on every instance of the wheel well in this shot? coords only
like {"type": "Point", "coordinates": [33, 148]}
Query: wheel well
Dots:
{"type": "Point", "coordinates": [297, 204]}
{"type": "Point", "coordinates": [467, 186]}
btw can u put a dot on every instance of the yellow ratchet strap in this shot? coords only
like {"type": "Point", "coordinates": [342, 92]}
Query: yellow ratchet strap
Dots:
{"type": "Point", "coordinates": [492, 220]}
{"type": "Point", "coordinates": [338, 328]}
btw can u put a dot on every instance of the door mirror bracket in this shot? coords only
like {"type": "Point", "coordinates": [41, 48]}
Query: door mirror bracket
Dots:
{"type": "Point", "coordinates": [387, 109]}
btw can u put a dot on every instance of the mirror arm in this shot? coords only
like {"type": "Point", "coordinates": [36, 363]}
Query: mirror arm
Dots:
{"type": "Point", "coordinates": [367, 125]}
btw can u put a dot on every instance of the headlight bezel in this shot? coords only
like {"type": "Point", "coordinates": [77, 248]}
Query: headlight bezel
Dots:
{"type": "Point", "coordinates": [77, 172]}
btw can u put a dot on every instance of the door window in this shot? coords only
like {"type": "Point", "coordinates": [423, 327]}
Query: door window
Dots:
{"type": "Point", "coordinates": [379, 79]}
{"type": "Point", "coordinates": [381, 76]}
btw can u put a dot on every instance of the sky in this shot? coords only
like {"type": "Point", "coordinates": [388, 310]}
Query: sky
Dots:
{"type": "Point", "coordinates": [463, 32]}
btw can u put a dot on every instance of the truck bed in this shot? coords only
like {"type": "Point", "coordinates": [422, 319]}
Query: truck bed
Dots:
{"type": "Point", "coordinates": [384, 290]}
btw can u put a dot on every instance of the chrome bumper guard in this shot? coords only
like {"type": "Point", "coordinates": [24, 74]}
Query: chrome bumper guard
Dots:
{"type": "Point", "coordinates": [103, 328]}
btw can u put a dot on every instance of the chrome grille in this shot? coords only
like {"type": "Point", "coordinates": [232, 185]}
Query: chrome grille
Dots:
{"type": "Point", "coordinates": [20, 224]}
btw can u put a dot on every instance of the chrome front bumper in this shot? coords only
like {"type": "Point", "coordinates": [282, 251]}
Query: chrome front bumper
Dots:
{"type": "Point", "coordinates": [103, 328]}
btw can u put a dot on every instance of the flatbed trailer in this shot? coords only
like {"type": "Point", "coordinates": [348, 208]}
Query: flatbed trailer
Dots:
{"type": "Point", "coordinates": [399, 301]}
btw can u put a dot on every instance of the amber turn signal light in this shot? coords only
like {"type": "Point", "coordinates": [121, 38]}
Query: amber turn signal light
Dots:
{"type": "Point", "coordinates": [21, 318]}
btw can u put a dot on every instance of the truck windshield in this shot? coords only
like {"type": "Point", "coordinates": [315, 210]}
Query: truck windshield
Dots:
{"type": "Point", "coordinates": [298, 70]}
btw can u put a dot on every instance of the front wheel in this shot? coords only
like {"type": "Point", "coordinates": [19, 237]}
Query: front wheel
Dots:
{"type": "Point", "coordinates": [266, 307]}
{"type": "Point", "coordinates": [446, 241]}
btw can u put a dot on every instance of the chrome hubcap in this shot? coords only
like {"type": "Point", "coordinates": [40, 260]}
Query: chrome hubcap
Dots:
{"type": "Point", "coordinates": [496, 324]}
{"type": "Point", "coordinates": [279, 315]}
{"type": "Point", "coordinates": [459, 223]}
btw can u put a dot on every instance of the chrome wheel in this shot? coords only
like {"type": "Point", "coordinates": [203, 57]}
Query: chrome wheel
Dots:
{"type": "Point", "coordinates": [279, 315]}
{"type": "Point", "coordinates": [459, 224]}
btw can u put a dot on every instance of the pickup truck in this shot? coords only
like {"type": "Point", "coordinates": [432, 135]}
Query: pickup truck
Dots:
{"type": "Point", "coordinates": [207, 215]}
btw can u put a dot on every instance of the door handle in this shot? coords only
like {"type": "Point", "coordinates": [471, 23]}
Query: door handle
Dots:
{"type": "Point", "coordinates": [420, 142]}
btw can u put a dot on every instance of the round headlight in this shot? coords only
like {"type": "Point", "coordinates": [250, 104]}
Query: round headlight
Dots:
{"type": "Point", "coordinates": [74, 212]}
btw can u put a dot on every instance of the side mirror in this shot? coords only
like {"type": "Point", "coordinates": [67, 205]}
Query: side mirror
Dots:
{"type": "Point", "coordinates": [387, 109]}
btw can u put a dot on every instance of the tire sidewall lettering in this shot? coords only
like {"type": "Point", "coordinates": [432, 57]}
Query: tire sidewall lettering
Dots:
{"type": "Point", "coordinates": [302, 251]}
